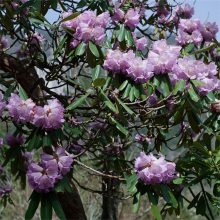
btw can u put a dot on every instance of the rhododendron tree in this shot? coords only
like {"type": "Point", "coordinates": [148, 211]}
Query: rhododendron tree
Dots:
{"type": "Point", "coordinates": [126, 91]}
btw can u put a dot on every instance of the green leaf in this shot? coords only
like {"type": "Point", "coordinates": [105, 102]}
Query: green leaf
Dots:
{"type": "Point", "coordinates": [179, 87]}
{"type": "Point", "coordinates": [93, 49]}
{"type": "Point", "coordinates": [22, 93]}
{"type": "Point", "coordinates": [78, 102]}
{"type": "Point", "coordinates": [108, 103]}
{"type": "Point", "coordinates": [123, 85]}
{"type": "Point", "coordinates": [156, 212]}
{"type": "Point", "coordinates": [119, 127]}
{"type": "Point", "coordinates": [99, 82]}
{"type": "Point", "coordinates": [194, 123]}
{"type": "Point", "coordinates": [54, 4]}
{"type": "Point", "coordinates": [178, 181]}
{"type": "Point", "coordinates": [168, 196]}
{"type": "Point", "coordinates": [57, 206]}
{"type": "Point", "coordinates": [131, 182]}
{"type": "Point", "coordinates": [60, 47]}
{"type": "Point", "coordinates": [33, 205]}
{"type": "Point", "coordinates": [82, 3]}
{"type": "Point", "coordinates": [194, 201]}
{"type": "Point", "coordinates": [121, 35]}
{"type": "Point", "coordinates": [189, 48]}
{"type": "Point", "coordinates": [128, 37]}
{"type": "Point", "coordinates": [46, 208]}
{"type": "Point", "coordinates": [127, 109]}
{"type": "Point", "coordinates": [127, 91]}
{"type": "Point", "coordinates": [164, 85]}
{"type": "Point", "coordinates": [9, 91]}
{"type": "Point", "coordinates": [72, 16]}
{"type": "Point", "coordinates": [35, 141]}
{"type": "Point", "coordinates": [63, 186]}
{"type": "Point", "coordinates": [193, 95]}
{"type": "Point", "coordinates": [80, 50]}
{"type": "Point", "coordinates": [216, 189]}
{"type": "Point", "coordinates": [131, 94]}
{"type": "Point", "coordinates": [153, 197]}
{"type": "Point", "coordinates": [47, 141]}
{"type": "Point", "coordinates": [137, 202]}
{"type": "Point", "coordinates": [96, 72]}
{"type": "Point", "coordinates": [201, 206]}
{"type": "Point", "coordinates": [136, 92]}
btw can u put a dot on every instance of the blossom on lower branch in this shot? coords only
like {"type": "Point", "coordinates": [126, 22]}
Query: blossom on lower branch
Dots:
{"type": "Point", "coordinates": [153, 171]}
{"type": "Point", "coordinates": [44, 175]}
{"type": "Point", "coordinates": [49, 116]}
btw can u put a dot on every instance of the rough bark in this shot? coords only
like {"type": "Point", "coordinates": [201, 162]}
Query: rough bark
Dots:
{"type": "Point", "coordinates": [26, 75]}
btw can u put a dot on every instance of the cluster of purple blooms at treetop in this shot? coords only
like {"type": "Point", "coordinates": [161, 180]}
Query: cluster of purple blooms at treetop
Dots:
{"type": "Point", "coordinates": [49, 116]}
{"type": "Point", "coordinates": [87, 27]}
{"type": "Point", "coordinates": [181, 11]}
{"type": "Point", "coordinates": [192, 31]}
{"type": "Point", "coordinates": [131, 18]}
{"type": "Point", "coordinates": [153, 171]}
{"type": "Point", "coordinates": [163, 59]}
{"type": "Point", "coordinates": [163, 56]}
{"type": "Point", "coordinates": [44, 175]}
{"type": "Point", "coordinates": [128, 64]}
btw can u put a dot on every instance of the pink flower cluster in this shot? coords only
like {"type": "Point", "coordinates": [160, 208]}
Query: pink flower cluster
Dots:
{"type": "Point", "coordinates": [192, 31]}
{"type": "Point", "coordinates": [131, 18]}
{"type": "Point", "coordinates": [44, 175]}
{"type": "Point", "coordinates": [87, 27]}
{"type": "Point", "coordinates": [47, 117]}
{"type": "Point", "coordinates": [140, 43]}
{"type": "Point", "coordinates": [187, 68]}
{"type": "Point", "coordinates": [154, 171]}
{"type": "Point", "coordinates": [129, 65]}
{"type": "Point", "coordinates": [163, 56]}
{"type": "Point", "coordinates": [181, 11]}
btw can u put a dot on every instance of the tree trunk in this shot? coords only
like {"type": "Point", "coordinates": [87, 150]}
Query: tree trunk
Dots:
{"type": "Point", "coordinates": [110, 201]}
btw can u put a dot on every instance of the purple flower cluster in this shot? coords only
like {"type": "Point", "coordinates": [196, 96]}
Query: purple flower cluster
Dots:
{"type": "Point", "coordinates": [181, 11]}
{"type": "Point", "coordinates": [44, 175]}
{"type": "Point", "coordinates": [192, 31]}
{"type": "Point", "coordinates": [2, 104]}
{"type": "Point", "coordinates": [4, 189]}
{"type": "Point", "coordinates": [154, 171]}
{"type": "Point", "coordinates": [87, 27]}
{"type": "Point", "coordinates": [130, 19]}
{"type": "Point", "coordinates": [140, 43]}
{"type": "Point", "coordinates": [163, 56]}
{"type": "Point", "coordinates": [184, 11]}
{"type": "Point", "coordinates": [187, 68]}
{"type": "Point", "coordinates": [47, 117]}
{"type": "Point", "coordinates": [128, 64]}
{"type": "Point", "coordinates": [21, 110]}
